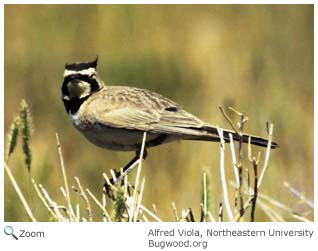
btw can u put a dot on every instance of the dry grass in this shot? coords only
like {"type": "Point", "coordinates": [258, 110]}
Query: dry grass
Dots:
{"type": "Point", "coordinates": [127, 206]}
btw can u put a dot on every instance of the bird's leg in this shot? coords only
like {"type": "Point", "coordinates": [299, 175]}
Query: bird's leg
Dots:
{"type": "Point", "coordinates": [119, 176]}
{"type": "Point", "coordinates": [130, 166]}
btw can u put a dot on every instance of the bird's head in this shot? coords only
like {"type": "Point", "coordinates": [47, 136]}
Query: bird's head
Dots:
{"type": "Point", "coordinates": [80, 81]}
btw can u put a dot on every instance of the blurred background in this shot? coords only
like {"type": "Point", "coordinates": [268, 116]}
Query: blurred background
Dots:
{"type": "Point", "coordinates": [256, 58]}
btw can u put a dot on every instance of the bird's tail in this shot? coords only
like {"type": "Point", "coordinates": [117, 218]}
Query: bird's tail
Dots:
{"type": "Point", "coordinates": [213, 135]}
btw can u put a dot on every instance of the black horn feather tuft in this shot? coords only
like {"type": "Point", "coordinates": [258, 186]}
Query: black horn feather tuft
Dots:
{"type": "Point", "coordinates": [82, 65]}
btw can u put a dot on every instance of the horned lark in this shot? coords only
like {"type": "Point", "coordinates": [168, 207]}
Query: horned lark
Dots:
{"type": "Point", "coordinates": [115, 117]}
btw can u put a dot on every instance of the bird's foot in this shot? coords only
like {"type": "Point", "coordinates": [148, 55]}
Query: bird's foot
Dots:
{"type": "Point", "coordinates": [117, 180]}
{"type": "Point", "coordinates": [111, 184]}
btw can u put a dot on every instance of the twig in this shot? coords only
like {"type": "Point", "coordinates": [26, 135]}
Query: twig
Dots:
{"type": "Point", "coordinates": [154, 209]}
{"type": "Point", "coordinates": [205, 206]}
{"type": "Point", "coordinates": [105, 213]}
{"type": "Point", "coordinates": [234, 162]}
{"type": "Point", "coordinates": [240, 214]}
{"type": "Point", "coordinates": [223, 179]}
{"type": "Point", "coordinates": [229, 120]}
{"type": "Point", "coordinates": [138, 176]}
{"type": "Point", "coordinates": [268, 150]}
{"type": "Point", "coordinates": [53, 204]}
{"type": "Point", "coordinates": [139, 198]}
{"type": "Point", "coordinates": [301, 218]}
{"type": "Point", "coordinates": [241, 124]}
{"type": "Point", "coordinates": [175, 211]}
{"type": "Point", "coordinates": [211, 217]}
{"type": "Point", "coordinates": [144, 216]}
{"type": "Point", "coordinates": [236, 201]}
{"type": "Point", "coordinates": [17, 189]}
{"type": "Point", "coordinates": [104, 203]}
{"type": "Point", "coordinates": [220, 214]}
{"type": "Point", "coordinates": [189, 216]}
{"type": "Point", "coordinates": [184, 214]}
{"type": "Point", "coordinates": [43, 200]}
{"type": "Point", "coordinates": [254, 163]}
{"type": "Point", "coordinates": [68, 198]}
{"type": "Point", "coordinates": [130, 200]}
{"type": "Point", "coordinates": [238, 165]}
{"type": "Point", "coordinates": [83, 195]}
{"type": "Point", "coordinates": [113, 174]}
{"type": "Point", "coordinates": [240, 189]}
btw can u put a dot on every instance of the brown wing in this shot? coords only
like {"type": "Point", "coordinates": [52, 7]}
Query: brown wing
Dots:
{"type": "Point", "coordinates": [133, 108]}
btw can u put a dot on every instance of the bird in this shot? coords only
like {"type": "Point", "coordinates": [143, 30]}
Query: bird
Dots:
{"type": "Point", "coordinates": [116, 117]}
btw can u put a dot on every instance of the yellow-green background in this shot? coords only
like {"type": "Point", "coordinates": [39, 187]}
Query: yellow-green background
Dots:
{"type": "Point", "coordinates": [257, 58]}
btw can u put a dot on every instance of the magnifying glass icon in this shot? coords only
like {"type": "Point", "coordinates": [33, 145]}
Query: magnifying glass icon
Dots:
{"type": "Point", "coordinates": [8, 230]}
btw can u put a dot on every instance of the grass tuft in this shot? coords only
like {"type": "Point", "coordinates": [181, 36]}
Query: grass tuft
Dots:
{"type": "Point", "coordinates": [26, 124]}
{"type": "Point", "coordinates": [12, 137]}
{"type": "Point", "coordinates": [119, 206]}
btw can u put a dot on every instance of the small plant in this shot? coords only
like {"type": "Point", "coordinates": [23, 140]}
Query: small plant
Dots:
{"type": "Point", "coordinates": [26, 124]}
{"type": "Point", "coordinates": [12, 138]}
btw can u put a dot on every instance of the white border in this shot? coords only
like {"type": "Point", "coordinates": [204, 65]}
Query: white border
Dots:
{"type": "Point", "coordinates": [133, 236]}
{"type": "Point", "coordinates": [158, 2]}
